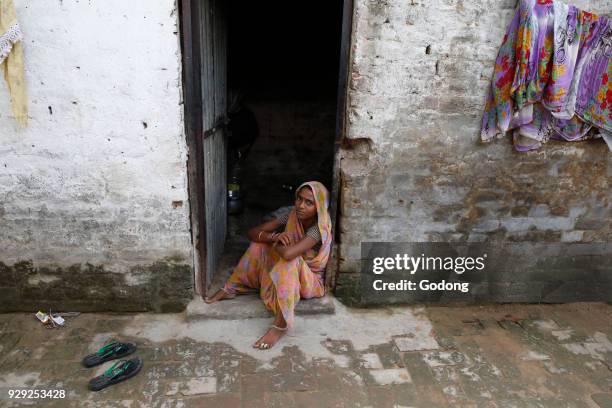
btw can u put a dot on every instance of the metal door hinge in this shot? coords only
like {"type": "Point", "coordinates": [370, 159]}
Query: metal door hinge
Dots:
{"type": "Point", "coordinates": [221, 124]}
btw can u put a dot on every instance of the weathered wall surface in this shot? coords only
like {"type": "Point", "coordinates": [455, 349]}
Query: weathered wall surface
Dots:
{"type": "Point", "coordinates": [413, 168]}
{"type": "Point", "coordinates": [93, 196]}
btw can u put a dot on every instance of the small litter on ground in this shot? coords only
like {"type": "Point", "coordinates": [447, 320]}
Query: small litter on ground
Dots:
{"type": "Point", "coordinates": [54, 320]}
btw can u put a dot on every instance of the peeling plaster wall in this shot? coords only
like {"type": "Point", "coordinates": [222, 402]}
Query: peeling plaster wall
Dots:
{"type": "Point", "coordinates": [99, 176]}
{"type": "Point", "coordinates": [412, 166]}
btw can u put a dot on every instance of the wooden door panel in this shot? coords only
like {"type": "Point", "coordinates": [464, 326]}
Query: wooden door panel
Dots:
{"type": "Point", "coordinates": [214, 144]}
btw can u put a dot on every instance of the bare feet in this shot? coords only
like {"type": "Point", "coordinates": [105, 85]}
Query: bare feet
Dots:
{"type": "Point", "coordinates": [272, 336]}
{"type": "Point", "coordinates": [220, 295]}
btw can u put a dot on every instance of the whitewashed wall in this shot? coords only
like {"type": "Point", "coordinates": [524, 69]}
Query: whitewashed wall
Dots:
{"type": "Point", "coordinates": [94, 176]}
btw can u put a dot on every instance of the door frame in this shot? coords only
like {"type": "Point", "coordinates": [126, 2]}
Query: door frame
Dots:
{"type": "Point", "coordinates": [190, 25]}
{"type": "Point", "coordinates": [333, 267]}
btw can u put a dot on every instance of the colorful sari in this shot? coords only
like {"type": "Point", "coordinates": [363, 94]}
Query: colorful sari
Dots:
{"type": "Point", "coordinates": [283, 283]}
{"type": "Point", "coordinates": [550, 80]}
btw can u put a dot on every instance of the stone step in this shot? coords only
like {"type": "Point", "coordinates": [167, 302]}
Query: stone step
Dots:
{"type": "Point", "coordinates": [251, 306]}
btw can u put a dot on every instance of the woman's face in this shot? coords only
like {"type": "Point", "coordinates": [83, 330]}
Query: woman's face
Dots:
{"type": "Point", "coordinates": [305, 206]}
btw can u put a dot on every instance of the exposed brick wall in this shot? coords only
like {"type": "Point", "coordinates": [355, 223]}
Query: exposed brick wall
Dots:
{"type": "Point", "coordinates": [413, 168]}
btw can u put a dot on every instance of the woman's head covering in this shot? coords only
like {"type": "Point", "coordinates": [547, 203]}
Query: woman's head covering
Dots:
{"type": "Point", "coordinates": [321, 196]}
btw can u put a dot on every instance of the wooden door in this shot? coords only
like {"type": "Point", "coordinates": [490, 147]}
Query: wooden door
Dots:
{"type": "Point", "coordinates": [213, 40]}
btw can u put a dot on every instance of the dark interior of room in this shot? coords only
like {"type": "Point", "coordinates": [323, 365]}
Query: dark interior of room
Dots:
{"type": "Point", "coordinates": [283, 59]}
{"type": "Point", "coordinates": [285, 49]}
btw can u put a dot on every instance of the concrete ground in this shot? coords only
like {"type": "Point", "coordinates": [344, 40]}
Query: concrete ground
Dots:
{"type": "Point", "coordinates": [493, 356]}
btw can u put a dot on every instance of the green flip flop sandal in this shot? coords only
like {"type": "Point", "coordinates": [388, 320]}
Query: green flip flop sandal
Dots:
{"type": "Point", "coordinates": [109, 351]}
{"type": "Point", "coordinates": [120, 371]}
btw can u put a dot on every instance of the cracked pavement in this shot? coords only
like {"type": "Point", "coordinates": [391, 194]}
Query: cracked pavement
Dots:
{"type": "Point", "coordinates": [472, 356]}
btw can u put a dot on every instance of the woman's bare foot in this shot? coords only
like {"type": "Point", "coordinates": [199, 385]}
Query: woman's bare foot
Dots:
{"type": "Point", "coordinates": [220, 295]}
{"type": "Point", "coordinates": [272, 336]}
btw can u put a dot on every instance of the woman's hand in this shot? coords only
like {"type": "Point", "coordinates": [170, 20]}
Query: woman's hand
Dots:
{"type": "Point", "coordinates": [284, 238]}
{"type": "Point", "coordinates": [298, 248]}
{"type": "Point", "coordinates": [264, 232]}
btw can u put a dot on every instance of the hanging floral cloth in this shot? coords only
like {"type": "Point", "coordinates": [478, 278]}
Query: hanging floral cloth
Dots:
{"type": "Point", "coordinates": [551, 77]}
{"type": "Point", "coordinates": [11, 60]}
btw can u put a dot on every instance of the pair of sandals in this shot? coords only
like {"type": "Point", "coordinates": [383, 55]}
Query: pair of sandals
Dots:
{"type": "Point", "coordinates": [118, 372]}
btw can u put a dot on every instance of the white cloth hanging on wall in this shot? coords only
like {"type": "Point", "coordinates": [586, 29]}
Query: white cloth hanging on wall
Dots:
{"type": "Point", "coordinates": [12, 62]}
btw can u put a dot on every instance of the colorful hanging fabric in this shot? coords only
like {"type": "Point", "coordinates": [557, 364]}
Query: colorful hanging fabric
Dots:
{"type": "Point", "coordinates": [12, 62]}
{"type": "Point", "coordinates": [548, 80]}
{"type": "Point", "coordinates": [594, 94]}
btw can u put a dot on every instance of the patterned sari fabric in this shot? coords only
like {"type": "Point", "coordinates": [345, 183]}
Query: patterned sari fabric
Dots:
{"type": "Point", "coordinates": [283, 283]}
{"type": "Point", "coordinates": [594, 95]}
{"type": "Point", "coordinates": [549, 79]}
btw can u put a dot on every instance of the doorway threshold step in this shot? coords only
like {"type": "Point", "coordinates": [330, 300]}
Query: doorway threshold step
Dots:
{"type": "Point", "coordinates": [251, 306]}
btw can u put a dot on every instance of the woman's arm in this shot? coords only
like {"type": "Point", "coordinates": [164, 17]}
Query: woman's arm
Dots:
{"type": "Point", "coordinates": [264, 232]}
{"type": "Point", "coordinates": [291, 252]}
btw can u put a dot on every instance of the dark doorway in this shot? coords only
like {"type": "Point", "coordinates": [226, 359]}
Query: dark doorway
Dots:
{"type": "Point", "coordinates": [283, 63]}
{"type": "Point", "coordinates": [284, 58]}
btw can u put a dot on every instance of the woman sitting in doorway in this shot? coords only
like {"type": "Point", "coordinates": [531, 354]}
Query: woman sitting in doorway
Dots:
{"type": "Point", "coordinates": [285, 266]}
